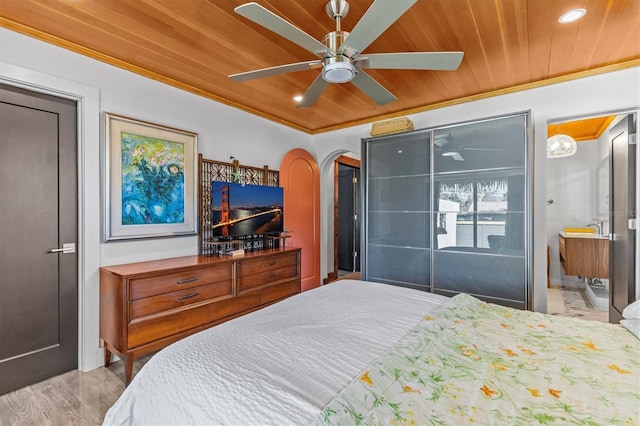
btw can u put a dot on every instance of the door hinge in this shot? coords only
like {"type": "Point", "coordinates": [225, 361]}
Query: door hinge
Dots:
{"type": "Point", "coordinates": [632, 224]}
{"type": "Point", "coordinates": [355, 180]}
{"type": "Point", "coordinates": [355, 217]}
{"type": "Point", "coordinates": [633, 138]}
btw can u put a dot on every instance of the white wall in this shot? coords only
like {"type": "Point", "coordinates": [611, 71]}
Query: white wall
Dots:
{"type": "Point", "coordinates": [225, 131]}
{"type": "Point", "coordinates": [222, 131]}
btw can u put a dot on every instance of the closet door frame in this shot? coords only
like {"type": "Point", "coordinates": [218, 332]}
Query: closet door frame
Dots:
{"type": "Point", "coordinates": [528, 196]}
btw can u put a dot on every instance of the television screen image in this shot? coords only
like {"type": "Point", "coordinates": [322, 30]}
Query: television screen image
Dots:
{"type": "Point", "coordinates": [245, 209]}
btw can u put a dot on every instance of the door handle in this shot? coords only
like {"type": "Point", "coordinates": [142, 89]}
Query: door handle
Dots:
{"type": "Point", "coordinates": [65, 249]}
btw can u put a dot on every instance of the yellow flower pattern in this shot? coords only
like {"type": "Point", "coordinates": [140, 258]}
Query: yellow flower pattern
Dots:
{"type": "Point", "coordinates": [365, 378]}
{"type": "Point", "coordinates": [470, 362]}
{"type": "Point", "coordinates": [410, 389]}
{"type": "Point", "coordinates": [591, 345]}
{"type": "Point", "coordinates": [555, 392]}
{"type": "Point", "coordinates": [488, 392]}
{"type": "Point", "coordinates": [618, 369]}
{"type": "Point", "coordinates": [534, 392]}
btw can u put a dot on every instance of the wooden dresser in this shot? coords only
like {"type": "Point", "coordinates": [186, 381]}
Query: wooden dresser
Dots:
{"type": "Point", "coordinates": [148, 305]}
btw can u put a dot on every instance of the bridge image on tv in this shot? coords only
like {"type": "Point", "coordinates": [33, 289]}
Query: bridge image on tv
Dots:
{"type": "Point", "coordinates": [245, 209]}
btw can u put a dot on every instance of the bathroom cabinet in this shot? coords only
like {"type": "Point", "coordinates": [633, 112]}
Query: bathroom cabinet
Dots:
{"type": "Point", "coordinates": [584, 256]}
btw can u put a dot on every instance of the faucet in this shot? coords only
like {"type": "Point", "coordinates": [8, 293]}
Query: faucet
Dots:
{"type": "Point", "coordinates": [597, 225]}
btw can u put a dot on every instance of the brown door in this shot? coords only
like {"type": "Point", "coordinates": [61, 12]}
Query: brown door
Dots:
{"type": "Point", "coordinates": [623, 199]}
{"type": "Point", "coordinates": [38, 214]}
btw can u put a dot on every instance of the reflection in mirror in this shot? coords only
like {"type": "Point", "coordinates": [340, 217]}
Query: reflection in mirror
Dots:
{"type": "Point", "coordinates": [602, 188]}
{"type": "Point", "coordinates": [472, 214]}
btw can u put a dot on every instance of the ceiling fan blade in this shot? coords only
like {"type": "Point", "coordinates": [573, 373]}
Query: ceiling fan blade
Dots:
{"type": "Point", "coordinates": [282, 69]}
{"type": "Point", "coordinates": [445, 61]}
{"type": "Point", "coordinates": [372, 88]}
{"type": "Point", "coordinates": [453, 154]}
{"type": "Point", "coordinates": [258, 14]}
{"type": "Point", "coordinates": [456, 156]}
{"type": "Point", "coordinates": [374, 22]}
{"type": "Point", "coordinates": [441, 142]}
{"type": "Point", "coordinates": [313, 92]}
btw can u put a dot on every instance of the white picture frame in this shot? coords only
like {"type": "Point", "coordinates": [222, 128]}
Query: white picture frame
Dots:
{"type": "Point", "coordinates": [149, 180]}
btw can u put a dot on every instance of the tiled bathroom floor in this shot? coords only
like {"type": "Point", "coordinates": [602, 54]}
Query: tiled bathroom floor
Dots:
{"type": "Point", "coordinates": [572, 302]}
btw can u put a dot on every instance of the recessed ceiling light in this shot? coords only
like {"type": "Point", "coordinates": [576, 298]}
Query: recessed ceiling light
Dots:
{"type": "Point", "coordinates": [297, 98]}
{"type": "Point", "coordinates": [572, 15]}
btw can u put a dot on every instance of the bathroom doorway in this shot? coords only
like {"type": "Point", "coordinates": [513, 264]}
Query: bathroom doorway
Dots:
{"type": "Point", "coordinates": [584, 209]}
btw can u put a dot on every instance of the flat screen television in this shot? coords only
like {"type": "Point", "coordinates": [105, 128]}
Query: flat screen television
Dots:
{"type": "Point", "coordinates": [239, 210]}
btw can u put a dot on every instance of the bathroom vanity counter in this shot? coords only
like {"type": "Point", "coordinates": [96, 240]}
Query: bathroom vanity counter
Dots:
{"type": "Point", "coordinates": [584, 235]}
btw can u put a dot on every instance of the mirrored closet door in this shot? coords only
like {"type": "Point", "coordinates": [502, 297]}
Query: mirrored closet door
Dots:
{"type": "Point", "coordinates": [447, 210]}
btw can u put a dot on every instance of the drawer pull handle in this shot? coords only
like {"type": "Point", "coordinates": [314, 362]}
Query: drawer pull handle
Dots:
{"type": "Point", "coordinates": [188, 296]}
{"type": "Point", "coordinates": [272, 263]}
{"type": "Point", "coordinates": [188, 280]}
{"type": "Point", "coordinates": [268, 277]}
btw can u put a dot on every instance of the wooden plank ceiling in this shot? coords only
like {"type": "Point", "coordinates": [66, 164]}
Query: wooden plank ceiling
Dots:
{"type": "Point", "coordinates": [195, 44]}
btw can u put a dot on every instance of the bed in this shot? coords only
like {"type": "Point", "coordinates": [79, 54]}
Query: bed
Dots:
{"type": "Point", "coordinates": [355, 352]}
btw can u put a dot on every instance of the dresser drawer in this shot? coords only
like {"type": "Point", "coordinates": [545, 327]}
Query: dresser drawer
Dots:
{"type": "Point", "coordinates": [167, 283]}
{"type": "Point", "coordinates": [267, 277]}
{"type": "Point", "coordinates": [164, 302]}
{"type": "Point", "coordinates": [280, 291]}
{"type": "Point", "coordinates": [148, 330]}
{"type": "Point", "coordinates": [253, 266]}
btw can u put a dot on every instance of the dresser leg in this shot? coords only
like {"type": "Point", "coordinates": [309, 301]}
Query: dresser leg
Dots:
{"type": "Point", "coordinates": [128, 368]}
{"type": "Point", "coordinates": [107, 357]}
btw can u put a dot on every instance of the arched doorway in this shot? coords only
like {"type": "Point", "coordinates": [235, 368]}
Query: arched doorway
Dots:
{"type": "Point", "coordinates": [346, 241]}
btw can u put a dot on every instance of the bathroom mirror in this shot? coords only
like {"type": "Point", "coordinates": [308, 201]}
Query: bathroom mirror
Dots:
{"type": "Point", "coordinates": [602, 188]}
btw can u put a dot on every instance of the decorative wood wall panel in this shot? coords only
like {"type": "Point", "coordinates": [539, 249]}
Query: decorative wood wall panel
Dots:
{"type": "Point", "coordinates": [219, 171]}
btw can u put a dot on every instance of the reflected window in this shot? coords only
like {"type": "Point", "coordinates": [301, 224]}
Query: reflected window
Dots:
{"type": "Point", "coordinates": [475, 212]}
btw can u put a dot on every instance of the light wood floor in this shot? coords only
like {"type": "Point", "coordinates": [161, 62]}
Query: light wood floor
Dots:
{"type": "Point", "coordinates": [73, 398]}
{"type": "Point", "coordinates": [77, 398]}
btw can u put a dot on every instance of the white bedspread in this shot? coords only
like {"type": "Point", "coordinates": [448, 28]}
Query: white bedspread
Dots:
{"type": "Point", "coordinates": [280, 365]}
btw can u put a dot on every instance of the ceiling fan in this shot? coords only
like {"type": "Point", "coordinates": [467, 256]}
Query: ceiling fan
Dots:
{"type": "Point", "coordinates": [448, 148]}
{"type": "Point", "coordinates": [341, 54]}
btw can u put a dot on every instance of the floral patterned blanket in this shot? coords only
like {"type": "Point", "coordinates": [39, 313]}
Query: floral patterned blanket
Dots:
{"type": "Point", "coordinates": [471, 362]}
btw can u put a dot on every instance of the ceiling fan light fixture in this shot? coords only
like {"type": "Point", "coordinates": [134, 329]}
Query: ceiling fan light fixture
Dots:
{"type": "Point", "coordinates": [561, 146]}
{"type": "Point", "coordinates": [338, 72]}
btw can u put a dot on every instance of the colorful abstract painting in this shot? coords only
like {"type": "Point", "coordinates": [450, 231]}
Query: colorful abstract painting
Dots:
{"type": "Point", "coordinates": [153, 180]}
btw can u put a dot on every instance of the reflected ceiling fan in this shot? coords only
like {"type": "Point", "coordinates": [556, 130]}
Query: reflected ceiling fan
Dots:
{"type": "Point", "coordinates": [450, 149]}
{"type": "Point", "coordinates": [341, 54]}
